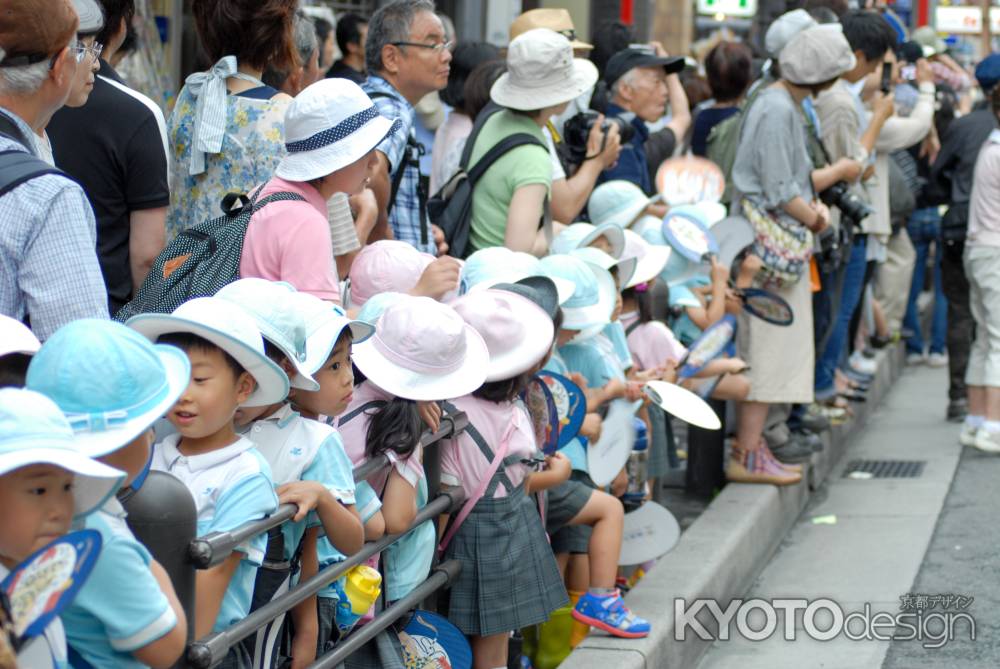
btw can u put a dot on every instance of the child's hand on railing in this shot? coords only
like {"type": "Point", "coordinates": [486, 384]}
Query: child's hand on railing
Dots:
{"type": "Point", "coordinates": [304, 494]}
{"type": "Point", "coordinates": [430, 413]}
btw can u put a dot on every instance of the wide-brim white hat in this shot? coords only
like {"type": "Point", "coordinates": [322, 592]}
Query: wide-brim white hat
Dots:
{"type": "Point", "coordinates": [328, 126]}
{"type": "Point", "coordinates": [542, 72]}
{"type": "Point", "coordinates": [625, 267]}
{"type": "Point", "coordinates": [230, 328]}
{"type": "Point", "coordinates": [518, 333]}
{"type": "Point", "coordinates": [15, 337]}
{"type": "Point", "coordinates": [115, 436]}
{"type": "Point", "coordinates": [396, 357]}
{"type": "Point", "coordinates": [650, 261]}
{"type": "Point", "coordinates": [599, 313]}
{"type": "Point", "coordinates": [94, 482]}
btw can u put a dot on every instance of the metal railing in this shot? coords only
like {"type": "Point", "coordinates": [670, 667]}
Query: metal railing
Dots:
{"type": "Point", "coordinates": [210, 550]}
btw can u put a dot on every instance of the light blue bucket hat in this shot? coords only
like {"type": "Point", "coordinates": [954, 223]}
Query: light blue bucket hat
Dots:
{"type": "Point", "coordinates": [579, 235]}
{"type": "Point", "coordinates": [324, 323]}
{"type": "Point", "coordinates": [279, 322]}
{"type": "Point", "coordinates": [231, 328]}
{"type": "Point", "coordinates": [34, 431]}
{"type": "Point", "coordinates": [678, 268]}
{"type": "Point", "coordinates": [110, 381]}
{"type": "Point", "coordinates": [593, 301]}
{"type": "Point", "coordinates": [497, 264]}
{"type": "Point", "coordinates": [618, 202]}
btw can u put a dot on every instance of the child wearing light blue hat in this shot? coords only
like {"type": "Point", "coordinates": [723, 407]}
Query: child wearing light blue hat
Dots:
{"type": "Point", "coordinates": [307, 459]}
{"type": "Point", "coordinates": [112, 384]}
{"type": "Point", "coordinates": [228, 478]}
{"type": "Point", "coordinates": [44, 483]}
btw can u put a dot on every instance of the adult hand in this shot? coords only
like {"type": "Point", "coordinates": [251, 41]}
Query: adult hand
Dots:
{"type": "Point", "coordinates": [442, 245]}
{"type": "Point", "coordinates": [849, 169]}
{"type": "Point", "coordinates": [924, 72]}
{"type": "Point", "coordinates": [883, 105]}
{"type": "Point", "coordinates": [822, 216]}
{"type": "Point", "coordinates": [931, 146]}
{"type": "Point", "coordinates": [658, 48]}
{"type": "Point", "coordinates": [439, 278]}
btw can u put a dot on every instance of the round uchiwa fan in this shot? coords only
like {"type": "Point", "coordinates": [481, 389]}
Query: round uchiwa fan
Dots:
{"type": "Point", "coordinates": [43, 585]}
{"type": "Point", "coordinates": [430, 641]}
{"type": "Point", "coordinates": [712, 343]}
{"type": "Point", "coordinates": [689, 180]}
{"type": "Point", "coordinates": [544, 415]}
{"type": "Point", "coordinates": [650, 532]}
{"type": "Point", "coordinates": [571, 406]}
{"type": "Point", "coordinates": [767, 306]}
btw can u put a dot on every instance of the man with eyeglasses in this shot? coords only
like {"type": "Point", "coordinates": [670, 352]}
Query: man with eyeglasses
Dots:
{"type": "Point", "coordinates": [49, 272]}
{"type": "Point", "coordinates": [407, 57]}
{"type": "Point", "coordinates": [115, 147]}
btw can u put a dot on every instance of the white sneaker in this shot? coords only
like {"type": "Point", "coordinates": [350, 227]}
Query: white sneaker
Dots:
{"type": "Point", "coordinates": [915, 359]}
{"type": "Point", "coordinates": [967, 437]}
{"type": "Point", "coordinates": [937, 360]}
{"type": "Point", "coordinates": [862, 364]}
{"type": "Point", "coordinates": [988, 442]}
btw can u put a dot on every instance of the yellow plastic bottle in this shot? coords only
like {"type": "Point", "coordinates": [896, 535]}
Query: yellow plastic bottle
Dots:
{"type": "Point", "coordinates": [362, 586]}
{"type": "Point", "coordinates": [553, 639]}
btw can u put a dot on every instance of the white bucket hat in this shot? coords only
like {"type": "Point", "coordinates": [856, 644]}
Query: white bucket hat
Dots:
{"type": "Point", "coordinates": [594, 299]}
{"type": "Point", "coordinates": [518, 333]}
{"type": "Point", "coordinates": [541, 72]}
{"type": "Point", "coordinates": [498, 264]}
{"type": "Point", "coordinates": [625, 267]}
{"type": "Point", "coordinates": [33, 431]}
{"type": "Point", "coordinates": [282, 325]}
{"type": "Point", "coordinates": [619, 202]}
{"type": "Point", "coordinates": [579, 235]}
{"type": "Point", "coordinates": [324, 322]}
{"type": "Point", "coordinates": [230, 328]}
{"type": "Point", "coordinates": [109, 381]}
{"type": "Point", "coordinates": [650, 259]}
{"type": "Point", "coordinates": [423, 350]}
{"type": "Point", "coordinates": [15, 337]}
{"type": "Point", "coordinates": [816, 55]}
{"type": "Point", "coordinates": [328, 126]}
{"type": "Point", "coordinates": [784, 28]}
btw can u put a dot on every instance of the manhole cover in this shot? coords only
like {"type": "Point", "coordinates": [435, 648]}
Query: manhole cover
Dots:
{"type": "Point", "coordinates": [884, 469]}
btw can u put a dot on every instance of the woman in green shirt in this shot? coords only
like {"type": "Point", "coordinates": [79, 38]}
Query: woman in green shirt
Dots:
{"type": "Point", "coordinates": [542, 78]}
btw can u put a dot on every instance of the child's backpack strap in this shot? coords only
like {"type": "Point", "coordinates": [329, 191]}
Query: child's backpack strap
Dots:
{"type": "Point", "coordinates": [348, 417]}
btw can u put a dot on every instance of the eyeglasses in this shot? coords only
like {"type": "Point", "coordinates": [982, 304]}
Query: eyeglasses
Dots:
{"type": "Point", "coordinates": [438, 47]}
{"type": "Point", "coordinates": [81, 50]}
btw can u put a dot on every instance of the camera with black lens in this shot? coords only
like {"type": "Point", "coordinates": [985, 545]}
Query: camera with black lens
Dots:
{"type": "Point", "coordinates": [851, 207]}
{"type": "Point", "coordinates": [576, 131]}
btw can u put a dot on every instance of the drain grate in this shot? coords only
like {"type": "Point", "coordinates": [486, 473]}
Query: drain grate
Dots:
{"type": "Point", "coordinates": [887, 469]}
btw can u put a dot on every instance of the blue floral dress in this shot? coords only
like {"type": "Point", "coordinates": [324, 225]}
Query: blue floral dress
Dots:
{"type": "Point", "coordinates": [251, 149]}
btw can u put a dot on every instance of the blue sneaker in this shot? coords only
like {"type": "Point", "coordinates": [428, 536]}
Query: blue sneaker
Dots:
{"type": "Point", "coordinates": [610, 614]}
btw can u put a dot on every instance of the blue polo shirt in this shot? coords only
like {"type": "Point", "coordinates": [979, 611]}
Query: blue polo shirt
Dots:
{"type": "Point", "coordinates": [632, 165]}
{"type": "Point", "coordinates": [103, 630]}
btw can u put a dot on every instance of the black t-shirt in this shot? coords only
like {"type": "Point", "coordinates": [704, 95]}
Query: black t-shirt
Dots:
{"type": "Point", "coordinates": [113, 147]}
{"type": "Point", "coordinates": [342, 70]}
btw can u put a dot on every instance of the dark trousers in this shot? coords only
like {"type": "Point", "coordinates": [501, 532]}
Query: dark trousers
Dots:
{"type": "Point", "coordinates": [961, 326]}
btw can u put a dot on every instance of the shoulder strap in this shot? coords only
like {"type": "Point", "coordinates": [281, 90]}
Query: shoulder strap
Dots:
{"type": "Point", "coordinates": [484, 115]}
{"type": "Point", "coordinates": [503, 146]}
{"type": "Point", "coordinates": [631, 328]}
{"type": "Point", "coordinates": [411, 144]}
{"type": "Point", "coordinates": [9, 127]}
{"type": "Point", "coordinates": [348, 417]}
{"type": "Point", "coordinates": [17, 167]}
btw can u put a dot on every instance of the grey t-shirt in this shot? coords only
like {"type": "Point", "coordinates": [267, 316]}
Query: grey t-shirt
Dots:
{"type": "Point", "coordinates": [772, 161]}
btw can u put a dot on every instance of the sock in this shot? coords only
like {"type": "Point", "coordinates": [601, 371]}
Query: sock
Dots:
{"type": "Point", "coordinates": [992, 426]}
{"type": "Point", "coordinates": [602, 592]}
{"type": "Point", "coordinates": [974, 422]}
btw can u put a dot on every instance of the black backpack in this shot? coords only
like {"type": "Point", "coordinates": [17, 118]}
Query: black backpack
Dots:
{"type": "Point", "coordinates": [18, 167]}
{"type": "Point", "coordinates": [451, 207]}
{"type": "Point", "coordinates": [201, 259]}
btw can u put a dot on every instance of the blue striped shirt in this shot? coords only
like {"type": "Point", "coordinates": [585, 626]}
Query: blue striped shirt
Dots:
{"type": "Point", "coordinates": [48, 258]}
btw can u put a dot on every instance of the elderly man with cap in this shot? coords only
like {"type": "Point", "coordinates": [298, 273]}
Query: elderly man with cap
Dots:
{"type": "Point", "coordinates": [48, 266]}
{"type": "Point", "coordinates": [640, 82]}
{"type": "Point", "coordinates": [950, 183]}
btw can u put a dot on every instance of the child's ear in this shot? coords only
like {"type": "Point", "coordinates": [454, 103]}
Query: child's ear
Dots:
{"type": "Point", "coordinates": [245, 386]}
{"type": "Point", "coordinates": [288, 368]}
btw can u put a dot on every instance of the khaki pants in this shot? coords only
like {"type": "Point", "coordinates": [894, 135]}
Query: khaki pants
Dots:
{"type": "Point", "coordinates": [982, 266]}
{"type": "Point", "coordinates": [894, 276]}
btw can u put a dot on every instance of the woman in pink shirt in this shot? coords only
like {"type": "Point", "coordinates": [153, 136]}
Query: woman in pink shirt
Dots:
{"type": "Point", "coordinates": [331, 130]}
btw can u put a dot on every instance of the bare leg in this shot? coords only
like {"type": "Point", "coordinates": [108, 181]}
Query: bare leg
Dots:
{"type": "Point", "coordinates": [578, 573]}
{"type": "Point", "coordinates": [977, 400]}
{"type": "Point", "coordinates": [605, 514]}
{"type": "Point", "coordinates": [751, 418]}
{"type": "Point", "coordinates": [489, 652]}
{"type": "Point", "coordinates": [734, 387]}
{"type": "Point", "coordinates": [992, 403]}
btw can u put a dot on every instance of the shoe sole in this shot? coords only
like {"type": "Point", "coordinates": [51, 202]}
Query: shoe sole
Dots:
{"type": "Point", "coordinates": [613, 631]}
{"type": "Point", "coordinates": [739, 477]}
{"type": "Point", "coordinates": [963, 441]}
{"type": "Point", "coordinates": [992, 448]}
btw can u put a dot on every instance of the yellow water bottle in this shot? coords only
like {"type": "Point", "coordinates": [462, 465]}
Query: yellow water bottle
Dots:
{"type": "Point", "coordinates": [362, 586]}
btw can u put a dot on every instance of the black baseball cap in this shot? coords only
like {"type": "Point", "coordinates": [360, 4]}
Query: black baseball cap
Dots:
{"type": "Point", "coordinates": [633, 57]}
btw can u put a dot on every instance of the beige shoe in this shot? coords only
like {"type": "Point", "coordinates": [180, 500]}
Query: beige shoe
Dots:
{"type": "Point", "coordinates": [754, 467]}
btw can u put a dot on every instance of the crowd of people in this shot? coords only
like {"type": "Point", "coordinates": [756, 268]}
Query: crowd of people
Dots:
{"type": "Point", "coordinates": [256, 292]}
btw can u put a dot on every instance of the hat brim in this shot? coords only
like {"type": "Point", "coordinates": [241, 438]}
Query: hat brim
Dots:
{"type": "Point", "coordinates": [538, 329]}
{"type": "Point", "coordinates": [564, 288]}
{"type": "Point", "coordinates": [733, 234]}
{"type": "Point", "coordinates": [272, 383]}
{"type": "Point", "coordinates": [19, 341]}
{"type": "Point", "coordinates": [577, 44]}
{"type": "Point", "coordinates": [507, 93]}
{"type": "Point", "coordinates": [628, 216]}
{"type": "Point", "coordinates": [178, 373]}
{"type": "Point", "coordinates": [539, 289]}
{"type": "Point", "coordinates": [612, 232]}
{"type": "Point", "coordinates": [650, 265]}
{"type": "Point", "coordinates": [599, 313]}
{"type": "Point", "coordinates": [95, 481]}
{"type": "Point", "coordinates": [422, 387]}
{"type": "Point", "coordinates": [320, 343]}
{"type": "Point", "coordinates": [309, 165]}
